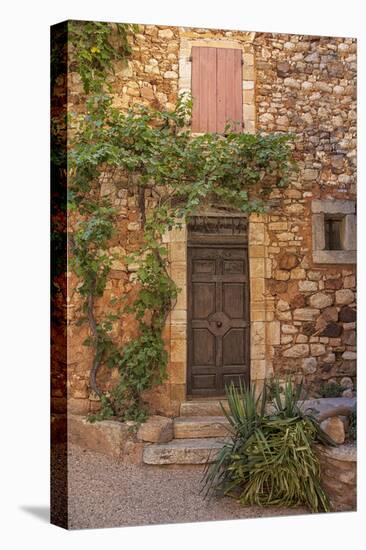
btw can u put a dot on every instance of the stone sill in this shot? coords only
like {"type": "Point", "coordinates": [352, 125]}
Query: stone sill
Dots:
{"type": "Point", "coordinates": [335, 256]}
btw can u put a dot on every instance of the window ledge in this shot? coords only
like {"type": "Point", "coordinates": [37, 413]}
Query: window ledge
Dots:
{"type": "Point", "coordinates": [334, 256]}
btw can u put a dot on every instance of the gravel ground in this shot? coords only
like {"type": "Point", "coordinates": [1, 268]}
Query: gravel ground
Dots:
{"type": "Point", "coordinates": [105, 493]}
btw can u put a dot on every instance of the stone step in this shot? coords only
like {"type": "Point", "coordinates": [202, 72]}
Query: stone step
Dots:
{"type": "Point", "coordinates": [189, 427]}
{"type": "Point", "coordinates": [203, 408]}
{"type": "Point", "coordinates": [183, 451]}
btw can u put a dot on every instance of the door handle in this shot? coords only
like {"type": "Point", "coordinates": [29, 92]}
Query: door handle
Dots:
{"type": "Point", "coordinates": [218, 323]}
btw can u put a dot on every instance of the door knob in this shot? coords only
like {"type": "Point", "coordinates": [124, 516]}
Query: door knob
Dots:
{"type": "Point", "coordinates": [218, 323]}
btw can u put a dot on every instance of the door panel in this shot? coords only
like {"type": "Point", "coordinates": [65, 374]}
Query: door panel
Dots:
{"type": "Point", "coordinates": [203, 299]}
{"type": "Point", "coordinates": [218, 318]}
{"type": "Point", "coordinates": [233, 300]}
{"type": "Point", "coordinates": [203, 347]}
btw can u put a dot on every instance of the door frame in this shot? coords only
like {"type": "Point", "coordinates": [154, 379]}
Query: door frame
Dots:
{"type": "Point", "coordinates": [264, 328]}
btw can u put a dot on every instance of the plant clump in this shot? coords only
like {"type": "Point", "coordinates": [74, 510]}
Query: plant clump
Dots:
{"type": "Point", "coordinates": [269, 459]}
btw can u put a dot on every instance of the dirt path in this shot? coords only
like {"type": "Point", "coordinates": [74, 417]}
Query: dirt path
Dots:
{"type": "Point", "coordinates": [105, 493]}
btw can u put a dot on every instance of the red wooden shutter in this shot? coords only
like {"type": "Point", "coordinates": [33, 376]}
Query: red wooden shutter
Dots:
{"type": "Point", "coordinates": [216, 89]}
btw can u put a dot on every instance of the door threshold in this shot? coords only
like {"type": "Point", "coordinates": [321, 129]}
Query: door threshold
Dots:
{"type": "Point", "coordinates": [203, 398]}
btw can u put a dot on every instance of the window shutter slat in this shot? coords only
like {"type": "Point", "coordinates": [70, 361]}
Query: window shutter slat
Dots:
{"type": "Point", "coordinates": [212, 86]}
{"type": "Point", "coordinates": [221, 89]}
{"type": "Point", "coordinates": [196, 58]}
{"type": "Point", "coordinates": [238, 92]}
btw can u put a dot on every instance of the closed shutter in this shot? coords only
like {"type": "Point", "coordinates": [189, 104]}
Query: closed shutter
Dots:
{"type": "Point", "coordinates": [216, 89]}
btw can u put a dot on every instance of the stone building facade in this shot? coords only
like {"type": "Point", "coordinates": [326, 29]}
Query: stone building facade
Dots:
{"type": "Point", "coordinates": [301, 251]}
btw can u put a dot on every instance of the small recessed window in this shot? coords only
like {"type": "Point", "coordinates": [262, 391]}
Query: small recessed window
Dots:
{"type": "Point", "coordinates": [333, 228]}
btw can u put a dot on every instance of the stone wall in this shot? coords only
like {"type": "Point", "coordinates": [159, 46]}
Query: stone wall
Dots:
{"type": "Point", "coordinates": [306, 85]}
{"type": "Point", "coordinates": [339, 475]}
{"type": "Point", "coordinates": [299, 84]}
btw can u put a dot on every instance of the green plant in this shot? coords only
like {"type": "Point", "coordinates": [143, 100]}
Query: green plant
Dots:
{"type": "Point", "coordinates": [93, 52]}
{"type": "Point", "coordinates": [330, 389]}
{"type": "Point", "coordinates": [269, 459]}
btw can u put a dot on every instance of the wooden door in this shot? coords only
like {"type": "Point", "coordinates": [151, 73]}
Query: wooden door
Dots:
{"type": "Point", "coordinates": [218, 317]}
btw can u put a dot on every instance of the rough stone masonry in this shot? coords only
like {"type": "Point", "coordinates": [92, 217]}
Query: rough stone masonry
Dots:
{"type": "Point", "coordinates": [305, 85]}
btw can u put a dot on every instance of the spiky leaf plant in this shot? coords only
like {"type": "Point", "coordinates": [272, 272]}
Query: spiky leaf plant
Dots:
{"type": "Point", "coordinates": [269, 459]}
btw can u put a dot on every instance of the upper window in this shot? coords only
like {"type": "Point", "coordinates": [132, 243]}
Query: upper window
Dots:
{"type": "Point", "coordinates": [216, 89]}
{"type": "Point", "coordinates": [334, 231]}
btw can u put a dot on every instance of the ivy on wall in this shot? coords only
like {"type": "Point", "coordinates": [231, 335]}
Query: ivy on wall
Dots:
{"type": "Point", "coordinates": [144, 149]}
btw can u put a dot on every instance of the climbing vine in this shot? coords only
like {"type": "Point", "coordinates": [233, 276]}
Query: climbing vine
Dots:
{"type": "Point", "coordinates": [145, 150]}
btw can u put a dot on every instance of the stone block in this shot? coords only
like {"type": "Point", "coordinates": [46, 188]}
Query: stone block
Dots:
{"type": "Point", "coordinates": [106, 436]}
{"type": "Point", "coordinates": [298, 273]}
{"type": "Point", "coordinates": [282, 305]}
{"type": "Point", "coordinates": [284, 315]}
{"type": "Point", "coordinates": [274, 332]}
{"type": "Point", "coordinates": [298, 350]}
{"type": "Point", "coordinates": [181, 302]}
{"type": "Point", "coordinates": [330, 314]}
{"type": "Point", "coordinates": [258, 369]}
{"type": "Point", "coordinates": [178, 251]}
{"type": "Point", "coordinates": [288, 261]}
{"type": "Point", "coordinates": [165, 34]}
{"type": "Point", "coordinates": [333, 284]}
{"type": "Point", "coordinates": [349, 338]}
{"type": "Point", "coordinates": [350, 232]}
{"type": "Point", "coordinates": [178, 272]}
{"type": "Point", "coordinates": [183, 451]}
{"type": "Point", "coordinates": [347, 315]}
{"type": "Point", "coordinates": [289, 329]}
{"type": "Point", "coordinates": [308, 286]}
{"type": "Point", "coordinates": [178, 332]}
{"type": "Point", "coordinates": [309, 365]}
{"type": "Point", "coordinates": [177, 372]}
{"type": "Point", "coordinates": [317, 349]}
{"type": "Point", "coordinates": [178, 317]}
{"type": "Point", "coordinates": [321, 300]}
{"type": "Point", "coordinates": [278, 226]}
{"type": "Point", "coordinates": [157, 429]}
{"type": "Point", "coordinates": [329, 358]}
{"type": "Point", "coordinates": [306, 314]}
{"type": "Point", "coordinates": [248, 112]}
{"type": "Point", "coordinates": [349, 355]}
{"type": "Point", "coordinates": [334, 256]}
{"type": "Point", "coordinates": [186, 427]}
{"type": "Point", "coordinates": [281, 275]}
{"type": "Point", "coordinates": [344, 297]}
{"type": "Point", "coordinates": [332, 206]}
{"type": "Point", "coordinates": [256, 266]}
{"type": "Point", "coordinates": [334, 428]}
{"type": "Point", "coordinates": [349, 282]}
{"type": "Point", "coordinates": [256, 251]}
{"type": "Point", "coordinates": [318, 232]}
{"type": "Point", "coordinates": [78, 406]}
{"type": "Point", "coordinates": [256, 233]}
{"type": "Point", "coordinates": [331, 330]}
{"type": "Point", "coordinates": [132, 452]}
{"type": "Point", "coordinates": [178, 351]}
{"type": "Point", "coordinates": [257, 289]}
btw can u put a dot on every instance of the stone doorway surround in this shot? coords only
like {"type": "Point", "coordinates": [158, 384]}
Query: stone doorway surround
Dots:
{"type": "Point", "coordinates": [264, 329]}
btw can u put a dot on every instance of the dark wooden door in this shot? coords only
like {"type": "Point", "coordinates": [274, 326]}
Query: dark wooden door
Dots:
{"type": "Point", "coordinates": [218, 318]}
